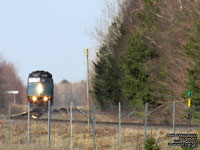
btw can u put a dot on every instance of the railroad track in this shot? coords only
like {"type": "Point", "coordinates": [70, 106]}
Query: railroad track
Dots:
{"type": "Point", "coordinates": [35, 115]}
{"type": "Point", "coordinates": [114, 124]}
{"type": "Point", "coordinates": [38, 112]}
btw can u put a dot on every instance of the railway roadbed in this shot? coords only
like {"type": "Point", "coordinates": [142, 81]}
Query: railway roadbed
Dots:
{"type": "Point", "coordinates": [112, 124]}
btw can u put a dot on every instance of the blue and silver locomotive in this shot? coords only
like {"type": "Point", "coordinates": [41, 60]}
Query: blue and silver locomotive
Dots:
{"type": "Point", "coordinates": [40, 88]}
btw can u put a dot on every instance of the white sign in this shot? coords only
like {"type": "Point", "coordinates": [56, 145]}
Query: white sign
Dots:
{"type": "Point", "coordinates": [12, 92]}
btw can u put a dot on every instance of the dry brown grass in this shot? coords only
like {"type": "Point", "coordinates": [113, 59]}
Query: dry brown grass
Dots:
{"type": "Point", "coordinates": [106, 137]}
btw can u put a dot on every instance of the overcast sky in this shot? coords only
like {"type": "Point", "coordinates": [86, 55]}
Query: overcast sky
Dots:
{"type": "Point", "coordinates": [47, 35]}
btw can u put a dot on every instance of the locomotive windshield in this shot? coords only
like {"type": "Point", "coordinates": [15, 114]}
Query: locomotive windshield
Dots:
{"type": "Point", "coordinates": [40, 87]}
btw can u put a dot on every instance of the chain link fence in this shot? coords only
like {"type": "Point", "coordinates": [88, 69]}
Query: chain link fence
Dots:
{"type": "Point", "coordinates": [111, 127]}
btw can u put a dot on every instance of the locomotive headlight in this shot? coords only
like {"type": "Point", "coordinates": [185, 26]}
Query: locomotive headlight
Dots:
{"type": "Point", "coordinates": [45, 98]}
{"type": "Point", "coordinates": [34, 98]}
{"type": "Point", "coordinates": [40, 88]}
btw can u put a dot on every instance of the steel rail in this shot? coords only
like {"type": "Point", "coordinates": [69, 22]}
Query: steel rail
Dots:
{"type": "Point", "coordinates": [110, 124]}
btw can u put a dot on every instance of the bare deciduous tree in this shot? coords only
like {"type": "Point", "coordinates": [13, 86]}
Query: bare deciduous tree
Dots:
{"type": "Point", "coordinates": [9, 80]}
{"type": "Point", "coordinates": [110, 11]}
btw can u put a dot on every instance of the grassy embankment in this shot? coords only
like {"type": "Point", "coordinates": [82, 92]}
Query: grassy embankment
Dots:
{"type": "Point", "coordinates": [106, 137]}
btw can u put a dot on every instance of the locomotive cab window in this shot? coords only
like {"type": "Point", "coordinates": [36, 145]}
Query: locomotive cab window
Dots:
{"type": "Point", "coordinates": [46, 80]}
{"type": "Point", "coordinates": [32, 80]}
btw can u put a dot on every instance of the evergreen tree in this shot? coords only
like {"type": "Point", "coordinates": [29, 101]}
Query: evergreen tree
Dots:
{"type": "Point", "coordinates": [136, 82]}
{"type": "Point", "coordinates": [192, 50]}
{"type": "Point", "coordinates": [106, 87]}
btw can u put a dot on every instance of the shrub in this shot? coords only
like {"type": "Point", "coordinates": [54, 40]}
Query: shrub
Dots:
{"type": "Point", "coordinates": [151, 144]}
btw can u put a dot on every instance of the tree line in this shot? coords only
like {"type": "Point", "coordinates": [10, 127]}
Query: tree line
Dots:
{"type": "Point", "coordinates": [139, 59]}
{"type": "Point", "coordinates": [66, 92]}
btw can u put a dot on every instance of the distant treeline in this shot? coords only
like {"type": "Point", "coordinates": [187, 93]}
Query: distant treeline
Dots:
{"type": "Point", "coordinates": [66, 92]}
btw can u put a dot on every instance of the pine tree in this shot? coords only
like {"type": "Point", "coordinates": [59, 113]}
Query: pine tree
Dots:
{"type": "Point", "coordinates": [136, 82]}
{"type": "Point", "coordinates": [106, 87]}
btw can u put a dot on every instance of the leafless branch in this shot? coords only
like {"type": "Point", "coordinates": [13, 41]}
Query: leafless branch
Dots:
{"type": "Point", "coordinates": [152, 41]}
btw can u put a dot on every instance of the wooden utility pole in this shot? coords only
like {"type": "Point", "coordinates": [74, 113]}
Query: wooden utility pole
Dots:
{"type": "Point", "coordinates": [88, 97]}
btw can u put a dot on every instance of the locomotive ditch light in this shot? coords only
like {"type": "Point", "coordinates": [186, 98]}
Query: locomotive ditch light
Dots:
{"type": "Point", "coordinates": [34, 98]}
{"type": "Point", "coordinates": [45, 99]}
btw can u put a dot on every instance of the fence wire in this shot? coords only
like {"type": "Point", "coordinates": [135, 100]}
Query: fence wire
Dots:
{"type": "Point", "coordinates": [107, 131]}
